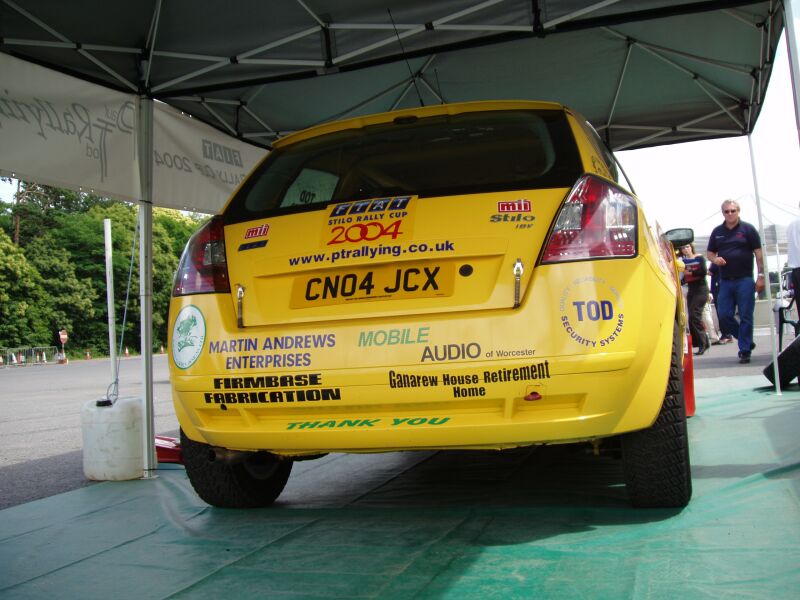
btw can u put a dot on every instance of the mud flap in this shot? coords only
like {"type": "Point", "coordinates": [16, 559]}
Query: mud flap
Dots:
{"type": "Point", "coordinates": [688, 377]}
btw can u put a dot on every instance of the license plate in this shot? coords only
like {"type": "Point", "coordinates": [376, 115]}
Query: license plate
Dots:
{"type": "Point", "coordinates": [387, 282]}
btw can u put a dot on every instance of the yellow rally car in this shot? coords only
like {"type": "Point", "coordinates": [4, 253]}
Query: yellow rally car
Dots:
{"type": "Point", "coordinates": [462, 276]}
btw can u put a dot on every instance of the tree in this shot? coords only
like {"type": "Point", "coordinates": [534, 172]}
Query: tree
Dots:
{"type": "Point", "coordinates": [79, 236]}
{"type": "Point", "coordinates": [37, 207]}
{"type": "Point", "coordinates": [82, 236]}
{"type": "Point", "coordinates": [72, 299]}
{"type": "Point", "coordinates": [178, 227]}
{"type": "Point", "coordinates": [55, 277]}
{"type": "Point", "coordinates": [25, 310]}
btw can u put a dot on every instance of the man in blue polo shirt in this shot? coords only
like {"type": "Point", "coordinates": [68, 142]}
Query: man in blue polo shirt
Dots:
{"type": "Point", "coordinates": [732, 247]}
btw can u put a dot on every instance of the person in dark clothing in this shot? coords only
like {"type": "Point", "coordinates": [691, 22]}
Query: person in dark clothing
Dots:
{"type": "Point", "coordinates": [725, 336]}
{"type": "Point", "coordinates": [694, 275]}
{"type": "Point", "coordinates": [731, 247]}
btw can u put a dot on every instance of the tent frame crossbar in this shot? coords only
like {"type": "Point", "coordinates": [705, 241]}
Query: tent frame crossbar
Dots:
{"type": "Point", "coordinates": [618, 89]}
{"type": "Point", "coordinates": [662, 131]}
{"type": "Point", "coordinates": [151, 41]}
{"type": "Point", "coordinates": [78, 47]}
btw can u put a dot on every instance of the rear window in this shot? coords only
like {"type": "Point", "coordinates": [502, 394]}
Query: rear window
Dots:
{"type": "Point", "coordinates": [434, 156]}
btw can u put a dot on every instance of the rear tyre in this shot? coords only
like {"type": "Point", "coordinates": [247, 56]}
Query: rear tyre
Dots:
{"type": "Point", "coordinates": [253, 482]}
{"type": "Point", "coordinates": [788, 364]}
{"type": "Point", "coordinates": [656, 460]}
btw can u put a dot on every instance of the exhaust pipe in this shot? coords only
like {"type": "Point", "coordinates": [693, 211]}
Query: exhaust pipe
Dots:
{"type": "Point", "coordinates": [227, 456]}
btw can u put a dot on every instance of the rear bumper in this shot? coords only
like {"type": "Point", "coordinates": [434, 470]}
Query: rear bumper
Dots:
{"type": "Point", "coordinates": [483, 405]}
{"type": "Point", "coordinates": [437, 381]}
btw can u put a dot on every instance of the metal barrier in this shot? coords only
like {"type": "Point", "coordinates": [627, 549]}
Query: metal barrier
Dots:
{"type": "Point", "coordinates": [28, 356]}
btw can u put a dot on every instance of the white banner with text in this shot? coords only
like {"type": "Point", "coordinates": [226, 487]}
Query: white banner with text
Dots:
{"type": "Point", "coordinates": [62, 131]}
{"type": "Point", "coordinates": [195, 166]}
{"type": "Point", "coordinates": [59, 130]}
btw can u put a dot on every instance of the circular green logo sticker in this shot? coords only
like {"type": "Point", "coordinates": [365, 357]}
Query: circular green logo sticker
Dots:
{"type": "Point", "coordinates": [188, 336]}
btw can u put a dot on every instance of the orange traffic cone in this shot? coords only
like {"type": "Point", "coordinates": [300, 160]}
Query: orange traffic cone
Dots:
{"type": "Point", "coordinates": [126, 351]}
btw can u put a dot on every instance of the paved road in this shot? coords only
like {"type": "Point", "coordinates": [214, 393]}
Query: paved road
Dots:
{"type": "Point", "coordinates": [722, 361]}
{"type": "Point", "coordinates": [40, 429]}
{"type": "Point", "coordinates": [40, 423]}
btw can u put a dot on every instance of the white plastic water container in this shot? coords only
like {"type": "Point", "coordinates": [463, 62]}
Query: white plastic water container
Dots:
{"type": "Point", "coordinates": [112, 440]}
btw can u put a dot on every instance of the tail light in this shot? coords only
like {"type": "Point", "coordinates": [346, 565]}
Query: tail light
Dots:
{"type": "Point", "coordinates": [597, 220]}
{"type": "Point", "coordinates": [203, 268]}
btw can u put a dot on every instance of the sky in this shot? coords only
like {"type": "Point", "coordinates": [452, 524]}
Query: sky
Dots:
{"type": "Point", "coordinates": [683, 185]}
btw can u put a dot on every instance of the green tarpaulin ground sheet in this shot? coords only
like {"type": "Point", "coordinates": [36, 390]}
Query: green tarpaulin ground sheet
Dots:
{"type": "Point", "coordinates": [532, 523]}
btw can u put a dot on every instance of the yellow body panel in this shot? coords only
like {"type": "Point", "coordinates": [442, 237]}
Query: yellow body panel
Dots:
{"type": "Point", "coordinates": [585, 354]}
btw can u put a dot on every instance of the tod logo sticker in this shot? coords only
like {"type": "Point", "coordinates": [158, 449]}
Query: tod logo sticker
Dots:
{"type": "Point", "coordinates": [592, 312]}
{"type": "Point", "coordinates": [188, 336]}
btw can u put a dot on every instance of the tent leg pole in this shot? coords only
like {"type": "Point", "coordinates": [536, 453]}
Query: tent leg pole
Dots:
{"type": "Point", "coordinates": [145, 148]}
{"type": "Point", "coordinates": [768, 285]}
{"type": "Point", "coordinates": [794, 61]}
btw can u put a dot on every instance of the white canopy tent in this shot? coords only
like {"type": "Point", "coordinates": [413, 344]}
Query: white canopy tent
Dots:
{"type": "Point", "coordinates": [196, 80]}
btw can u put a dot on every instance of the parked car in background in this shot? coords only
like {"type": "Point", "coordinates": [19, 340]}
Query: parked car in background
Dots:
{"type": "Point", "coordinates": [463, 276]}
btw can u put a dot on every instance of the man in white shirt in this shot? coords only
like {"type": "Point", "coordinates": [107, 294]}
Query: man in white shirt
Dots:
{"type": "Point", "coordinates": [793, 258]}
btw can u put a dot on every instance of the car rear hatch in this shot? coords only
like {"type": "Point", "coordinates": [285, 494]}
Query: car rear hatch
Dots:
{"type": "Point", "coordinates": [410, 216]}
{"type": "Point", "coordinates": [417, 256]}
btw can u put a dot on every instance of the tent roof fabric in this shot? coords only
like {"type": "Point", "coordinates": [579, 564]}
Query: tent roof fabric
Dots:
{"type": "Point", "coordinates": [644, 72]}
